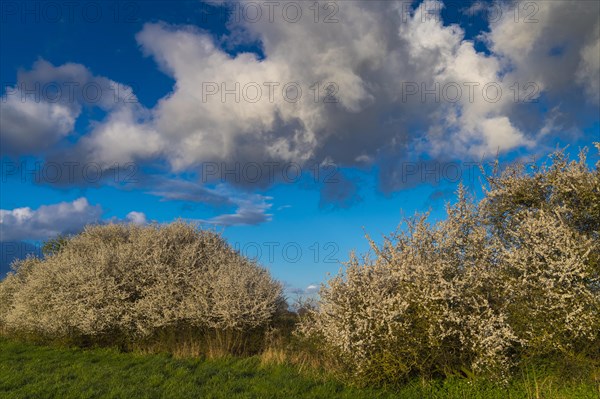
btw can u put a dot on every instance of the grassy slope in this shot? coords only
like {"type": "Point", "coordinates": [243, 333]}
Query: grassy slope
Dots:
{"type": "Point", "coordinates": [28, 371]}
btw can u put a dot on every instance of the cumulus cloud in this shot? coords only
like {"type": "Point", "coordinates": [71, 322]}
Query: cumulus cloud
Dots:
{"type": "Point", "coordinates": [138, 218]}
{"type": "Point", "coordinates": [25, 224]}
{"type": "Point", "coordinates": [371, 56]}
{"type": "Point", "coordinates": [48, 220]}
{"type": "Point", "coordinates": [42, 107]}
{"type": "Point", "coordinates": [376, 55]}
{"type": "Point", "coordinates": [554, 43]}
{"type": "Point", "coordinates": [384, 84]}
{"type": "Point", "coordinates": [122, 138]}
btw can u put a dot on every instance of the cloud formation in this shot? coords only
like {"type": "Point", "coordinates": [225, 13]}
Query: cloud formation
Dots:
{"type": "Point", "coordinates": [385, 84]}
{"type": "Point", "coordinates": [22, 224]}
{"type": "Point", "coordinates": [400, 80]}
{"type": "Point", "coordinates": [138, 218]}
{"type": "Point", "coordinates": [47, 221]}
{"type": "Point", "coordinates": [44, 104]}
{"type": "Point", "coordinates": [251, 209]}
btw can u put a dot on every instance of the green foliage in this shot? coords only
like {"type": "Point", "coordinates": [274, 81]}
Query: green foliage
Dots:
{"type": "Point", "coordinates": [54, 245]}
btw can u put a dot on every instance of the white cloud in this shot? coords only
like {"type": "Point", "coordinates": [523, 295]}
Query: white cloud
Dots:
{"type": "Point", "coordinates": [499, 133]}
{"type": "Point", "coordinates": [43, 106]}
{"type": "Point", "coordinates": [554, 43]}
{"type": "Point", "coordinates": [124, 137]}
{"type": "Point", "coordinates": [47, 221]}
{"type": "Point", "coordinates": [22, 224]}
{"type": "Point", "coordinates": [138, 218]}
{"type": "Point", "coordinates": [372, 54]}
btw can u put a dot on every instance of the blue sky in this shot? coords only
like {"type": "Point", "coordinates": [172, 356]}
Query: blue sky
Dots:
{"type": "Point", "coordinates": [141, 111]}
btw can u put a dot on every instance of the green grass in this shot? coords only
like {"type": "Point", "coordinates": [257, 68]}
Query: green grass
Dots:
{"type": "Point", "coordinates": [31, 371]}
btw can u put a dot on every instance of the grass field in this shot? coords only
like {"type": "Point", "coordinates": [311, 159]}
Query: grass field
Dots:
{"type": "Point", "coordinates": [30, 371]}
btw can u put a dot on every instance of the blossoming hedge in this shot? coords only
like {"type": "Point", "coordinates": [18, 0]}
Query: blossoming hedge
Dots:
{"type": "Point", "coordinates": [512, 276]}
{"type": "Point", "coordinates": [129, 282]}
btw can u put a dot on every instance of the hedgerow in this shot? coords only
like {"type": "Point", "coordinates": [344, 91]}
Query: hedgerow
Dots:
{"type": "Point", "coordinates": [497, 282]}
{"type": "Point", "coordinates": [127, 284]}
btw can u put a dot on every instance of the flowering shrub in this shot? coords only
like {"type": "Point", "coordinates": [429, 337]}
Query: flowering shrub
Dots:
{"type": "Point", "coordinates": [548, 223]}
{"type": "Point", "coordinates": [550, 292]}
{"type": "Point", "coordinates": [512, 276]}
{"type": "Point", "coordinates": [421, 305]}
{"type": "Point", "coordinates": [564, 186]}
{"type": "Point", "coordinates": [129, 282]}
